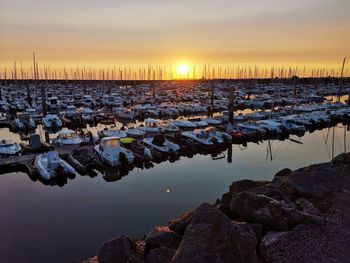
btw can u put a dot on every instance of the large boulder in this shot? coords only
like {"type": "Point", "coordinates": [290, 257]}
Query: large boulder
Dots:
{"type": "Point", "coordinates": [315, 182]}
{"type": "Point", "coordinates": [313, 242]}
{"type": "Point", "coordinates": [237, 187]}
{"type": "Point", "coordinates": [119, 250]}
{"type": "Point", "coordinates": [162, 236]}
{"type": "Point", "coordinates": [213, 237]}
{"type": "Point", "coordinates": [179, 225]}
{"type": "Point", "coordinates": [343, 158]}
{"type": "Point", "coordinates": [274, 193]}
{"type": "Point", "coordinates": [307, 207]}
{"type": "Point", "coordinates": [267, 211]}
{"type": "Point", "coordinates": [245, 184]}
{"type": "Point", "coordinates": [160, 255]}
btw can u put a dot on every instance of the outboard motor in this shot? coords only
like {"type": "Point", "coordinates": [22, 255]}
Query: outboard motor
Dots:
{"type": "Point", "coordinates": [60, 170]}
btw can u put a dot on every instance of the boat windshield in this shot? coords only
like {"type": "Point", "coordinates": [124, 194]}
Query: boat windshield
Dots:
{"type": "Point", "coordinates": [110, 144]}
{"type": "Point", "coordinates": [67, 135]}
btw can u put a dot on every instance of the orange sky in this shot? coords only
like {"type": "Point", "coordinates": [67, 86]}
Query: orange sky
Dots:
{"type": "Point", "coordinates": [96, 34]}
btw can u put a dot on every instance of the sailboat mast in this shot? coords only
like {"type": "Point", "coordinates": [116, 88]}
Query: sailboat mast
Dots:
{"type": "Point", "coordinates": [341, 78]}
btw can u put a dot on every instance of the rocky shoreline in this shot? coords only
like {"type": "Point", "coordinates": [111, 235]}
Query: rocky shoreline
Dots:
{"type": "Point", "coordinates": [300, 216]}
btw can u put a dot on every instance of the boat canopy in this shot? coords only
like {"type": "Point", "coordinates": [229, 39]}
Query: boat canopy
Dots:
{"type": "Point", "coordinates": [127, 140]}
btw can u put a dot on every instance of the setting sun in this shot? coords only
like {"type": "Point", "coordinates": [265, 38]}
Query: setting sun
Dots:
{"type": "Point", "coordinates": [183, 70]}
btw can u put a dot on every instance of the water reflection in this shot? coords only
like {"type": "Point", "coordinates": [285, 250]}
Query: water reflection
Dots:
{"type": "Point", "coordinates": [66, 224]}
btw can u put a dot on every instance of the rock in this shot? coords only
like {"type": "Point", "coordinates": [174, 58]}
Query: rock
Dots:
{"type": "Point", "coordinates": [160, 255]}
{"type": "Point", "coordinates": [224, 205]}
{"type": "Point", "coordinates": [162, 236]}
{"type": "Point", "coordinates": [283, 172]}
{"type": "Point", "coordinates": [315, 242]}
{"type": "Point", "coordinates": [272, 192]}
{"type": "Point", "coordinates": [212, 237]}
{"type": "Point", "coordinates": [316, 181]}
{"type": "Point", "coordinates": [343, 158]}
{"type": "Point", "coordinates": [258, 229]}
{"type": "Point", "coordinates": [91, 260]}
{"type": "Point", "coordinates": [243, 185]}
{"type": "Point", "coordinates": [307, 207]}
{"type": "Point", "coordinates": [237, 187]}
{"type": "Point", "coordinates": [118, 250]}
{"type": "Point", "coordinates": [271, 238]}
{"type": "Point", "coordinates": [281, 177]}
{"type": "Point", "coordinates": [180, 224]}
{"type": "Point", "coordinates": [268, 211]}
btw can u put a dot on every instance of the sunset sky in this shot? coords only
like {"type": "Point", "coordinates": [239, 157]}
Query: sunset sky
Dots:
{"type": "Point", "coordinates": [138, 32]}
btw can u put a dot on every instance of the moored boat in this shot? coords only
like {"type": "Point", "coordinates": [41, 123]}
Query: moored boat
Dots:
{"type": "Point", "coordinates": [110, 152]}
{"type": "Point", "coordinates": [160, 143]}
{"type": "Point", "coordinates": [49, 165]}
{"type": "Point", "coordinates": [8, 148]}
{"type": "Point", "coordinates": [67, 137]}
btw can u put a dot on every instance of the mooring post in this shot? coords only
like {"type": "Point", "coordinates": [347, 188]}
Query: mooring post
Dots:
{"type": "Point", "coordinates": [229, 153]}
{"type": "Point", "coordinates": [43, 99]}
{"type": "Point", "coordinates": [29, 98]}
{"type": "Point", "coordinates": [231, 104]}
{"type": "Point", "coordinates": [212, 93]}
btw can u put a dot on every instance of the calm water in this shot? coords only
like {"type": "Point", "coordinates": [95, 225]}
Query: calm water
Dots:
{"type": "Point", "coordinates": [41, 223]}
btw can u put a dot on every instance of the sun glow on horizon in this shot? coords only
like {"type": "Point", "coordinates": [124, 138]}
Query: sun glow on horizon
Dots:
{"type": "Point", "coordinates": [183, 70]}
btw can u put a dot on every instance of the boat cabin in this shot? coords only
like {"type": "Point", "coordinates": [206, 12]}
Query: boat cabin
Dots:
{"type": "Point", "coordinates": [110, 145]}
{"type": "Point", "coordinates": [151, 123]}
{"type": "Point", "coordinates": [67, 134]}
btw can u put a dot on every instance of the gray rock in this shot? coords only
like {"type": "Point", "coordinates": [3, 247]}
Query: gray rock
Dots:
{"type": "Point", "coordinates": [258, 229]}
{"type": "Point", "coordinates": [284, 172]}
{"type": "Point", "coordinates": [307, 207]}
{"type": "Point", "coordinates": [313, 243]}
{"type": "Point", "coordinates": [162, 236]}
{"type": "Point", "coordinates": [237, 187]}
{"type": "Point", "coordinates": [274, 193]}
{"type": "Point", "coordinates": [212, 237]}
{"type": "Point", "coordinates": [224, 204]}
{"type": "Point", "coordinates": [343, 158]}
{"type": "Point", "coordinates": [243, 185]}
{"type": "Point", "coordinates": [268, 211]}
{"type": "Point", "coordinates": [316, 181]}
{"type": "Point", "coordinates": [160, 255]}
{"type": "Point", "coordinates": [118, 250]}
{"type": "Point", "coordinates": [179, 225]}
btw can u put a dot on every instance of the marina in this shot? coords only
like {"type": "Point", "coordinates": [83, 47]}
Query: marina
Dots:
{"type": "Point", "coordinates": [154, 128]}
{"type": "Point", "coordinates": [115, 157]}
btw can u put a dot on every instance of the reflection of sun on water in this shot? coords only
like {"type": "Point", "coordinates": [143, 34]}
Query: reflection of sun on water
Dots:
{"type": "Point", "coordinates": [182, 70]}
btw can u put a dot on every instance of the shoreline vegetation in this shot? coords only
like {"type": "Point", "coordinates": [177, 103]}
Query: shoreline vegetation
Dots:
{"type": "Point", "coordinates": [299, 216]}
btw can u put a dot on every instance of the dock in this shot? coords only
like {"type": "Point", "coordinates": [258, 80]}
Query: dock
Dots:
{"type": "Point", "coordinates": [24, 163]}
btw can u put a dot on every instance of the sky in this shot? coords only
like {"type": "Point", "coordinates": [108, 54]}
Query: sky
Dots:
{"type": "Point", "coordinates": [101, 33]}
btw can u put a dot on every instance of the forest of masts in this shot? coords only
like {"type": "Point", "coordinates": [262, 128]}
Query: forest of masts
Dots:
{"type": "Point", "coordinates": [165, 72]}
